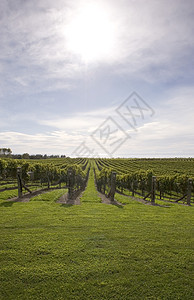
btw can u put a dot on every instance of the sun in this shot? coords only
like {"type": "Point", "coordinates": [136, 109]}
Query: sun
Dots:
{"type": "Point", "coordinates": [90, 34]}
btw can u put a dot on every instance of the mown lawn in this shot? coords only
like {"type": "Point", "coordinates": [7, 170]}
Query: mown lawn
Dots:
{"type": "Point", "coordinates": [95, 251]}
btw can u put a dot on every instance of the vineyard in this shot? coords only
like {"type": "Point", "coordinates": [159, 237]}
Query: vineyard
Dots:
{"type": "Point", "coordinates": [19, 177]}
{"type": "Point", "coordinates": [173, 178]}
{"type": "Point", "coordinates": [76, 229]}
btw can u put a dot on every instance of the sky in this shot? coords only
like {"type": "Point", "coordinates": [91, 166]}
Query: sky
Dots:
{"type": "Point", "coordinates": [100, 78]}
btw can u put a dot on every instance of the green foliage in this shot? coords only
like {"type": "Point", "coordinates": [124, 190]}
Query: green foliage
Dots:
{"type": "Point", "coordinates": [11, 168]}
{"type": "Point", "coordinates": [168, 179]}
{"type": "Point", "coordinates": [160, 166]}
{"type": "Point", "coordinates": [51, 170]}
{"type": "Point", "coordinates": [103, 179]}
{"type": "Point", "coordinates": [139, 179]}
{"type": "Point", "coordinates": [3, 164]}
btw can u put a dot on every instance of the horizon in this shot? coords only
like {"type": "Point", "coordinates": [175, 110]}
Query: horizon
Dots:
{"type": "Point", "coordinates": [100, 157]}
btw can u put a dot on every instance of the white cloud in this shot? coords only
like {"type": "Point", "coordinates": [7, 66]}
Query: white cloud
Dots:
{"type": "Point", "coordinates": [169, 131]}
{"type": "Point", "coordinates": [84, 123]}
{"type": "Point", "coordinates": [153, 40]}
{"type": "Point", "coordinates": [55, 142]}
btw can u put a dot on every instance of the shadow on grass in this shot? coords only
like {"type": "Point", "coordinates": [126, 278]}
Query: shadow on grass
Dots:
{"type": "Point", "coordinates": [7, 204]}
{"type": "Point", "coordinates": [160, 205]}
{"type": "Point", "coordinates": [66, 205]}
{"type": "Point", "coordinates": [118, 205]}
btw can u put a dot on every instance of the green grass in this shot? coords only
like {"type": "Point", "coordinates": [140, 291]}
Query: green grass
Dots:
{"type": "Point", "coordinates": [94, 250]}
{"type": "Point", "coordinates": [90, 195]}
{"type": "Point", "coordinates": [49, 196]}
{"type": "Point", "coordinates": [8, 194]}
{"type": "Point", "coordinates": [52, 196]}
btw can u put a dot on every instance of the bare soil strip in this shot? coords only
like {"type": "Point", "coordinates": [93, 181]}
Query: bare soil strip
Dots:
{"type": "Point", "coordinates": [64, 199]}
{"type": "Point", "coordinates": [107, 200]}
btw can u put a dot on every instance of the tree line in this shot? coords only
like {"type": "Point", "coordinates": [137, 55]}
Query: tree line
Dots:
{"type": "Point", "coordinates": [8, 152]}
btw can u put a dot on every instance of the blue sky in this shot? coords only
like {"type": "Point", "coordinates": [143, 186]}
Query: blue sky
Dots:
{"type": "Point", "coordinates": [66, 66]}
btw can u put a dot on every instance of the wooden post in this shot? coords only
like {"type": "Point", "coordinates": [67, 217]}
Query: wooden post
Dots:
{"type": "Point", "coordinates": [143, 186]}
{"type": "Point", "coordinates": [70, 183]}
{"type": "Point", "coordinates": [48, 179]}
{"type": "Point", "coordinates": [104, 187]}
{"type": "Point", "coordinates": [153, 189]}
{"type": "Point", "coordinates": [31, 175]}
{"type": "Point", "coordinates": [189, 189]}
{"type": "Point", "coordinates": [19, 178]}
{"type": "Point", "coordinates": [113, 186]}
{"type": "Point", "coordinates": [132, 185]}
{"type": "Point", "coordinates": [48, 183]}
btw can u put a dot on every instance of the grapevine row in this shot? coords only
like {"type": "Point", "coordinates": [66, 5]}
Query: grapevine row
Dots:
{"type": "Point", "coordinates": [173, 185]}
{"type": "Point", "coordinates": [33, 174]}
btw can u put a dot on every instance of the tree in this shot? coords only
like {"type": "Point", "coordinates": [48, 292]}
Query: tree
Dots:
{"type": "Point", "coordinates": [9, 151]}
{"type": "Point", "coordinates": [38, 156]}
{"type": "Point", "coordinates": [5, 151]}
{"type": "Point", "coordinates": [25, 156]}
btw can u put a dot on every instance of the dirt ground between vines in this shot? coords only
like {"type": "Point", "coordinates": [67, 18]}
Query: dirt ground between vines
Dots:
{"type": "Point", "coordinates": [64, 200]}
{"type": "Point", "coordinates": [107, 200]}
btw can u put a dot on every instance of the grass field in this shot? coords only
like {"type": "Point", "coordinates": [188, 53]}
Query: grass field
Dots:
{"type": "Point", "coordinates": [94, 250]}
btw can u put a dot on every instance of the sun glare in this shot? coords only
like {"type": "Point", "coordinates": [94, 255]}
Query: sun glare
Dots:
{"type": "Point", "coordinates": [91, 33]}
